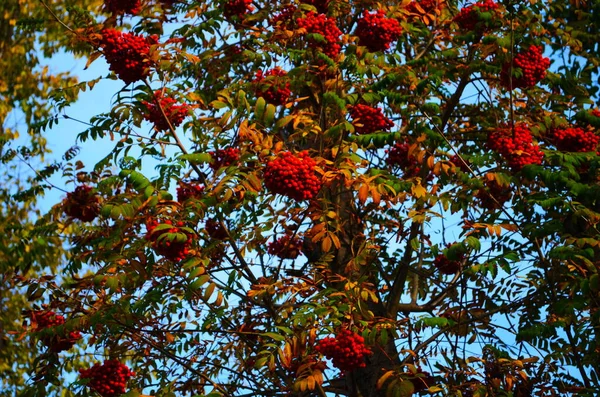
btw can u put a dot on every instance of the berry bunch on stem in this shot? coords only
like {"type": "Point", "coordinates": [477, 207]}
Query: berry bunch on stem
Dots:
{"type": "Point", "coordinates": [367, 119]}
{"type": "Point", "coordinates": [175, 113]}
{"type": "Point", "coordinates": [215, 230]}
{"type": "Point", "coordinates": [399, 155]}
{"type": "Point", "coordinates": [347, 350]}
{"type": "Point", "coordinates": [188, 190]}
{"type": "Point", "coordinates": [119, 7]}
{"type": "Point", "coordinates": [322, 6]}
{"type": "Point", "coordinates": [273, 86]}
{"type": "Point", "coordinates": [285, 247]}
{"type": "Point", "coordinates": [109, 379]}
{"type": "Point", "coordinates": [168, 239]}
{"type": "Point", "coordinates": [492, 188]}
{"type": "Point", "coordinates": [326, 27]}
{"type": "Point", "coordinates": [56, 342]}
{"type": "Point", "coordinates": [224, 157]}
{"type": "Point", "coordinates": [469, 17]}
{"type": "Point", "coordinates": [82, 203]}
{"type": "Point", "coordinates": [237, 9]}
{"type": "Point", "coordinates": [574, 139]}
{"type": "Point", "coordinates": [127, 54]}
{"type": "Point", "coordinates": [292, 175]}
{"type": "Point", "coordinates": [447, 265]}
{"type": "Point", "coordinates": [376, 32]}
{"type": "Point", "coordinates": [515, 145]}
{"type": "Point", "coordinates": [533, 67]}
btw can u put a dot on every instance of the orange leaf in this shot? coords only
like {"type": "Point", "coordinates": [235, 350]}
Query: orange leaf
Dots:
{"type": "Point", "coordinates": [363, 193]}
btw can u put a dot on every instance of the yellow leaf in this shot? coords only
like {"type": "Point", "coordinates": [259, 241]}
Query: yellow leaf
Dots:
{"type": "Point", "coordinates": [418, 191]}
{"type": "Point", "coordinates": [384, 378]}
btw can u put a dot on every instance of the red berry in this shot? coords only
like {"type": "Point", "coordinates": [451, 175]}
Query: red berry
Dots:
{"type": "Point", "coordinates": [367, 120]}
{"type": "Point", "coordinates": [186, 191]}
{"type": "Point", "coordinates": [293, 176]}
{"type": "Point", "coordinates": [377, 32]}
{"type": "Point", "coordinates": [469, 17]}
{"type": "Point", "coordinates": [533, 67]}
{"type": "Point", "coordinates": [82, 204]}
{"type": "Point", "coordinates": [398, 155]}
{"type": "Point", "coordinates": [273, 86]}
{"type": "Point", "coordinates": [224, 157]}
{"type": "Point", "coordinates": [56, 342]}
{"type": "Point", "coordinates": [233, 9]}
{"type": "Point", "coordinates": [169, 240]}
{"type": "Point", "coordinates": [215, 230]}
{"type": "Point", "coordinates": [347, 350]}
{"type": "Point", "coordinates": [285, 247]}
{"type": "Point", "coordinates": [108, 379]}
{"type": "Point", "coordinates": [574, 139]}
{"type": "Point", "coordinates": [119, 7]}
{"type": "Point", "coordinates": [174, 112]}
{"type": "Point", "coordinates": [502, 194]}
{"type": "Point", "coordinates": [127, 54]}
{"type": "Point", "coordinates": [516, 146]}
{"type": "Point", "coordinates": [326, 27]}
{"type": "Point", "coordinates": [446, 265]}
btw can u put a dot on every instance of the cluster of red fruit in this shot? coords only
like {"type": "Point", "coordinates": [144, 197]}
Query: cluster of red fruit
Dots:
{"type": "Point", "coordinates": [376, 32]}
{"type": "Point", "coordinates": [215, 230]}
{"type": "Point", "coordinates": [56, 343]}
{"type": "Point", "coordinates": [326, 27]}
{"type": "Point", "coordinates": [109, 379]}
{"type": "Point", "coordinates": [237, 9]}
{"type": "Point", "coordinates": [174, 248]}
{"type": "Point", "coordinates": [460, 164]}
{"type": "Point", "coordinates": [595, 112]}
{"type": "Point", "coordinates": [127, 54]}
{"type": "Point", "coordinates": [347, 350]}
{"type": "Point", "coordinates": [500, 193]}
{"type": "Point", "coordinates": [446, 265]}
{"type": "Point", "coordinates": [285, 247]}
{"type": "Point", "coordinates": [175, 112]}
{"type": "Point", "coordinates": [285, 17]}
{"type": "Point", "coordinates": [119, 7]}
{"type": "Point", "coordinates": [293, 176]}
{"type": "Point", "coordinates": [533, 66]}
{"type": "Point", "coordinates": [322, 6]}
{"type": "Point", "coordinates": [273, 86]}
{"type": "Point", "coordinates": [575, 139]}
{"type": "Point", "coordinates": [398, 156]}
{"type": "Point", "coordinates": [186, 191]}
{"type": "Point", "coordinates": [224, 157]}
{"type": "Point", "coordinates": [468, 17]}
{"type": "Point", "coordinates": [82, 204]}
{"type": "Point", "coordinates": [367, 119]}
{"type": "Point", "coordinates": [515, 146]}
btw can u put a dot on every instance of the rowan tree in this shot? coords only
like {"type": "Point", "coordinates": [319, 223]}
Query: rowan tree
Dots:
{"type": "Point", "coordinates": [352, 198]}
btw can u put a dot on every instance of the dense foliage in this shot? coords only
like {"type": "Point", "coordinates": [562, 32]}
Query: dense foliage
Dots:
{"type": "Point", "coordinates": [352, 198]}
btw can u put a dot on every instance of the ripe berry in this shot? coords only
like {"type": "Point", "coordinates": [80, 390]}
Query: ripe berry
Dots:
{"type": "Point", "coordinates": [446, 265]}
{"type": "Point", "coordinates": [119, 7]}
{"type": "Point", "coordinates": [127, 54]}
{"type": "Point", "coordinates": [292, 176]}
{"type": "Point", "coordinates": [459, 164]}
{"type": "Point", "coordinates": [82, 204]}
{"type": "Point", "coordinates": [518, 148]}
{"type": "Point", "coordinates": [398, 155]}
{"type": "Point", "coordinates": [326, 27]}
{"type": "Point", "coordinates": [533, 66]}
{"type": "Point", "coordinates": [285, 247]}
{"type": "Point", "coordinates": [377, 32]}
{"type": "Point", "coordinates": [174, 247]}
{"type": "Point", "coordinates": [574, 139]}
{"type": "Point", "coordinates": [347, 350]}
{"type": "Point", "coordinates": [367, 119]}
{"type": "Point", "coordinates": [56, 342]}
{"type": "Point", "coordinates": [215, 230]}
{"type": "Point", "coordinates": [233, 9]}
{"type": "Point", "coordinates": [273, 86]}
{"type": "Point", "coordinates": [186, 191]}
{"type": "Point", "coordinates": [175, 112]}
{"type": "Point", "coordinates": [502, 194]}
{"type": "Point", "coordinates": [469, 17]}
{"type": "Point", "coordinates": [595, 112]}
{"type": "Point", "coordinates": [109, 379]}
{"type": "Point", "coordinates": [224, 157]}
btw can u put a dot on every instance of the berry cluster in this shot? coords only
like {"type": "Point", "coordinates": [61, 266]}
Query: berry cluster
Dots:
{"type": "Point", "coordinates": [326, 27]}
{"type": "Point", "coordinates": [186, 191]}
{"type": "Point", "coordinates": [82, 204]}
{"type": "Point", "coordinates": [595, 112]}
{"type": "Point", "coordinates": [459, 164]}
{"type": "Point", "coordinates": [175, 112]}
{"type": "Point", "coordinates": [376, 32]}
{"type": "Point", "coordinates": [322, 6]}
{"type": "Point", "coordinates": [237, 9]}
{"type": "Point", "coordinates": [175, 247]}
{"type": "Point", "coordinates": [56, 343]}
{"type": "Point", "coordinates": [493, 189]}
{"type": "Point", "coordinates": [285, 247]}
{"type": "Point", "coordinates": [574, 139]}
{"type": "Point", "coordinates": [224, 157]}
{"type": "Point", "coordinates": [273, 86]}
{"type": "Point", "coordinates": [515, 146]}
{"type": "Point", "coordinates": [398, 156]}
{"type": "Point", "coordinates": [533, 66]}
{"type": "Point", "coordinates": [468, 17]}
{"type": "Point", "coordinates": [284, 17]}
{"type": "Point", "coordinates": [293, 176]}
{"type": "Point", "coordinates": [215, 230]}
{"type": "Point", "coordinates": [127, 54]}
{"type": "Point", "coordinates": [119, 7]}
{"type": "Point", "coordinates": [446, 265]}
{"type": "Point", "coordinates": [367, 119]}
{"type": "Point", "coordinates": [109, 379]}
{"type": "Point", "coordinates": [347, 350]}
